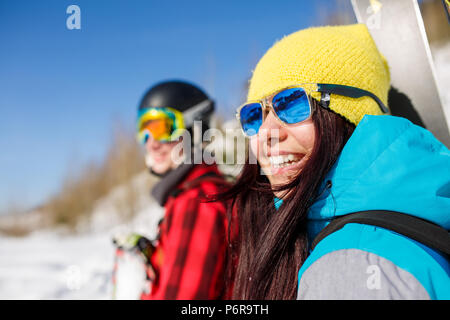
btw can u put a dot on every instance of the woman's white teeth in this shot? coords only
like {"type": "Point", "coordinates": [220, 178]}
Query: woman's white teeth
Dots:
{"type": "Point", "coordinates": [283, 160]}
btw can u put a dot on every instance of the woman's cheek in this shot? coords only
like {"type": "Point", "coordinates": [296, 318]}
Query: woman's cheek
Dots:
{"type": "Point", "coordinates": [258, 154]}
{"type": "Point", "coordinates": [254, 147]}
{"type": "Point", "coordinates": [305, 135]}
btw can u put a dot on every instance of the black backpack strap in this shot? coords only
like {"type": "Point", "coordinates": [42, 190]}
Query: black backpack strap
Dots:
{"type": "Point", "coordinates": [423, 231]}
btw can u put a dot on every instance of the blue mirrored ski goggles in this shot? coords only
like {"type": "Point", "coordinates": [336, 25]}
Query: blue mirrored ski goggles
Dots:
{"type": "Point", "coordinates": [292, 105]}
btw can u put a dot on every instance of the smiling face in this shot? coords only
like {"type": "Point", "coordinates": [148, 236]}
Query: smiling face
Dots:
{"type": "Point", "coordinates": [282, 150]}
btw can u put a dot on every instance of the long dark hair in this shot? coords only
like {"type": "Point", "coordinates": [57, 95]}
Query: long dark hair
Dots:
{"type": "Point", "coordinates": [271, 245]}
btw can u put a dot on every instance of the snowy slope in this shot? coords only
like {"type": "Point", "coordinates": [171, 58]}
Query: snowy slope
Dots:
{"type": "Point", "coordinates": [50, 264]}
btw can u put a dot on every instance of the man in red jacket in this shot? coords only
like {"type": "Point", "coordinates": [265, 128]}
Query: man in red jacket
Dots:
{"type": "Point", "coordinates": [189, 256]}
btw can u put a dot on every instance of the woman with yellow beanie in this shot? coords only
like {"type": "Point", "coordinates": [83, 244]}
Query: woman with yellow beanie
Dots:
{"type": "Point", "coordinates": [326, 148]}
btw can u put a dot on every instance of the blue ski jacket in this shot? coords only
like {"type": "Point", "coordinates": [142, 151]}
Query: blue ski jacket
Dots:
{"type": "Point", "coordinates": [387, 164]}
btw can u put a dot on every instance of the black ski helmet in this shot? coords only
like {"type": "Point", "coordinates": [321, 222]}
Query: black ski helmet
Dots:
{"type": "Point", "coordinates": [179, 95]}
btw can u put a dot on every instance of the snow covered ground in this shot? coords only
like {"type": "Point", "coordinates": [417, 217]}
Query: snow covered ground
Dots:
{"type": "Point", "coordinates": [53, 265]}
{"type": "Point", "coordinates": [48, 266]}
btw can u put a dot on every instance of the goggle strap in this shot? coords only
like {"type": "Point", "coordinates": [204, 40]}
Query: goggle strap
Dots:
{"type": "Point", "coordinates": [325, 100]}
{"type": "Point", "coordinates": [196, 112]}
{"type": "Point", "coordinates": [351, 92]}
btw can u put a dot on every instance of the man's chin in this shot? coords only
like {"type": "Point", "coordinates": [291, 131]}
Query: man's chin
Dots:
{"type": "Point", "coordinates": [160, 170]}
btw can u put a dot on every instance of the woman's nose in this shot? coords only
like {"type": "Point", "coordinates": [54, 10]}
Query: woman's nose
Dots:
{"type": "Point", "coordinates": [272, 130]}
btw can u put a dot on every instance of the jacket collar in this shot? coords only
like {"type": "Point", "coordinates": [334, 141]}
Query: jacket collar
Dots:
{"type": "Point", "coordinates": [175, 178]}
{"type": "Point", "coordinates": [388, 164]}
{"type": "Point", "coordinates": [169, 182]}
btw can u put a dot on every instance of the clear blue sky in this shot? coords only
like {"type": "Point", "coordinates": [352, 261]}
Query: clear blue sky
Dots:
{"type": "Point", "coordinates": [61, 89]}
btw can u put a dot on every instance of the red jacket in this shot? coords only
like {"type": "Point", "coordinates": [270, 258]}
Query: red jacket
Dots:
{"type": "Point", "coordinates": [189, 259]}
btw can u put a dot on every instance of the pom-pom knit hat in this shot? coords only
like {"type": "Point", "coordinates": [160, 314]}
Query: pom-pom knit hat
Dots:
{"type": "Point", "coordinates": [345, 55]}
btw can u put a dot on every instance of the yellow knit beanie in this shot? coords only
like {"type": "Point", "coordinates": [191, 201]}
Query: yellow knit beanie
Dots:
{"type": "Point", "coordinates": [345, 55]}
